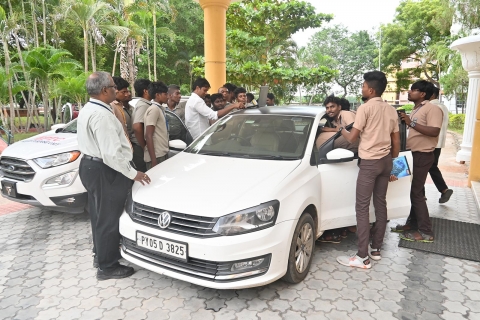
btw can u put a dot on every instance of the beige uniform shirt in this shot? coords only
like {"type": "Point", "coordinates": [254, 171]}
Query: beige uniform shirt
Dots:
{"type": "Point", "coordinates": [155, 116]}
{"type": "Point", "coordinates": [101, 135]}
{"type": "Point", "coordinates": [119, 113]}
{"type": "Point", "coordinates": [376, 120]}
{"type": "Point", "coordinates": [138, 115]}
{"type": "Point", "coordinates": [344, 119]}
{"type": "Point", "coordinates": [426, 114]}
{"type": "Point", "coordinates": [442, 137]}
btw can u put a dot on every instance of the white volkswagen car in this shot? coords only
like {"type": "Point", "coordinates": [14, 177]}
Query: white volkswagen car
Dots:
{"type": "Point", "coordinates": [43, 170]}
{"type": "Point", "coordinates": [243, 205]}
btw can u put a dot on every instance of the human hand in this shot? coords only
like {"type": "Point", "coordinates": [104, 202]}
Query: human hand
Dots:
{"type": "Point", "coordinates": [142, 178]}
{"type": "Point", "coordinates": [405, 118]}
{"type": "Point", "coordinates": [393, 178]}
{"type": "Point", "coordinates": [239, 105]}
{"type": "Point", "coordinates": [154, 162]}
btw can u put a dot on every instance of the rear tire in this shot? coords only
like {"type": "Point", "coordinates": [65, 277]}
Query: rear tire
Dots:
{"type": "Point", "coordinates": [301, 249]}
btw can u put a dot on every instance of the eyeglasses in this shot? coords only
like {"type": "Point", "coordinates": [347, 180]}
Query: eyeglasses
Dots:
{"type": "Point", "coordinates": [114, 87]}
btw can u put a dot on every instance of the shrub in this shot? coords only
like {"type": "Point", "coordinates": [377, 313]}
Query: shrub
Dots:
{"type": "Point", "coordinates": [407, 108]}
{"type": "Point", "coordinates": [456, 121]}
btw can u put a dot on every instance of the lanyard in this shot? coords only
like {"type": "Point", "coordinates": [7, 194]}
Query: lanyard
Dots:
{"type": "Point", "coordinates": [101, 105]}
{"type": "Point", "coordinates": [416, 110]}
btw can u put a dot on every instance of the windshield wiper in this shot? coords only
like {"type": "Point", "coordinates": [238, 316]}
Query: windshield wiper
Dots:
{"type": "Point", "coordinates": [221, 154]}
{"type": "Point", "coordinates": [272, 157]}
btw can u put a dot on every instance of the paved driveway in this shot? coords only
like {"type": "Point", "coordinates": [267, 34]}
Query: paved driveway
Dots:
{"type": "Point", "coordinates": [46, 273]}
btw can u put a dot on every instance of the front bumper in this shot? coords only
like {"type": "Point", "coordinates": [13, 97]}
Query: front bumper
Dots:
{"type": "Point", "coordinates": [205, 255]}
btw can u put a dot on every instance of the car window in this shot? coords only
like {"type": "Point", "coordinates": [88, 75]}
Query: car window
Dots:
{"type": "Point", "coordinates": [70, 127]}
{"type": "Point", "coordinates": [275, 137]}
{"type": "Point", "coordinates": [176, 128]}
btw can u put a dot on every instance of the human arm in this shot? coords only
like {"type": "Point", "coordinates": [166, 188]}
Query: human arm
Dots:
{"type": "Point", "coordinates": [425, 130]}
{"type": "Point", "coordinates": [229, 108]}
{"type": "Point", "coordinates": [351, 136]}
{"type": "Point", "coordinates": [395, 138]}
{"type": "Point", "coordinates": [150, 146]}
{"type": "Point", "coordinates": [138, 132]}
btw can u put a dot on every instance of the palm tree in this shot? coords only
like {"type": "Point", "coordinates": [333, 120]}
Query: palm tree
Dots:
{"type": "Point", "coordinates": [46, 65]}
{"type": "Point", "coordinates": [93, 17]}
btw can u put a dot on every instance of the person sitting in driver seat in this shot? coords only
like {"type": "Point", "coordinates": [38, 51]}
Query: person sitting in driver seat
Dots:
{"type": "Point", "coordinates": [338, 118]}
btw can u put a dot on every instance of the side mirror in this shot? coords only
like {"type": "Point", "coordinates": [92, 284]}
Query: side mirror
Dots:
{"type": "Point", "coordinates": [337, 156]}
{"type": "Point", "coordinates": [58, 126]}
{"type": "Point", "coordinates": [177, 145]}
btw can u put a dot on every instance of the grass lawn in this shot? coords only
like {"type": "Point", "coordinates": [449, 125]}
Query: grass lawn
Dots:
{"type": "Point", "coordinates": [24, 120]}
{"type": "Point", "coordinates": [459, 131]}
{"type": "Point", "coordinates": [21, 136]}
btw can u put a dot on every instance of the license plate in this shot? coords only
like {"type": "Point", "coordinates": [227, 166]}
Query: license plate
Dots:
{"type": "Point", "coordinates": [9, 189]}
{"type": "Point", "coordinates": [164, 246]}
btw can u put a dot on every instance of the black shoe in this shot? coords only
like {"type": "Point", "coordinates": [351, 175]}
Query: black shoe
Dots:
{"type": "Point", "coordinates": [116, 273]}
{"type": "Point", "coordinates": [445, 196]}
{"type": "Point", "coordinates": [95, 261]}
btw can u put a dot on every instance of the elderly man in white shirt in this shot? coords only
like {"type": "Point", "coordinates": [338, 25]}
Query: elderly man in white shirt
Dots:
{"type": "Point", "coordinates": [434, 171]}
{"type": "Point", "coordinates": [106, 173]}
{"type": "Point", "coordinates": [198, 114]}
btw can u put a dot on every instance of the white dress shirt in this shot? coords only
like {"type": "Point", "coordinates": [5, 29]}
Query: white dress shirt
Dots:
{"type": "Point", "coordinates": [101, 135]}
{"type": "Point", "coordinates": [443, 131]}
{"type": "Point", "coordinates": [197, 115]}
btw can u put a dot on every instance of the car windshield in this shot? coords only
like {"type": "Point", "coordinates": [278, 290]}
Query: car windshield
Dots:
{"type": "Point", "coordinates": [70, 127]}
{"type": "Point", "coordinates": [275, 137]}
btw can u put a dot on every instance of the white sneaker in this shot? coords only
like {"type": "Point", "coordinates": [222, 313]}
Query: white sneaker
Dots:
{"type": "Point", "coordinates": [374, 257]}
{"type": "Point", "coordinates": [355, 261]}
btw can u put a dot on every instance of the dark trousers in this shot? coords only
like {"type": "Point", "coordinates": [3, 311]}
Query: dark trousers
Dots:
{"type": "Point", "coordinates": [107, 192]}
{"type": "Point", "coordinates": [373, 180]}
{"type": "Point", "coordinates": [419, 217]}
{"type": "Point", "coordinates": [435, 172]}
{"type": "Point", "coordinates": [159, 160]}
{"type": "Point", "coordinates": [138, 158]}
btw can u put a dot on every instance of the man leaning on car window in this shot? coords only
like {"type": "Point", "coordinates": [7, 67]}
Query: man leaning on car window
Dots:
{"type": "Point", "coordinates": [106, 173]}
{"type": "Point", "coordinates": [376, 124]}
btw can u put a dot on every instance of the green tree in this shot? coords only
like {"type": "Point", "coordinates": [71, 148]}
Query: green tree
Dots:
{"type": "Point", "coordinates": [352, 54]}
{"type": "Point", "coordinates": [417, 26]}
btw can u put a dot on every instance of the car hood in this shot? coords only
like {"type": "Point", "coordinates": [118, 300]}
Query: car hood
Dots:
{"type": "Point", "coordinates": [212, 186]}
{"type": "Point", "coordinates": [42, 145]}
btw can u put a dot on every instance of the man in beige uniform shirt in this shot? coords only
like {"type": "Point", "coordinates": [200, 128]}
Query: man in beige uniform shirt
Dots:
{"type": "Point", "coordinates": [106, 173]}
{"type": "Point", "coordinates": [122, 95]}
{"type": "Point", "coordinates": [156, 126]}
{"type": "Point", "coordinates": [424, 123]}
{"type": "Point", "coordinates": [138, 115]}
{"type": "Point", "coordinates": [376, 123]}
{"type": "Point", "coordinates": [338, 118]}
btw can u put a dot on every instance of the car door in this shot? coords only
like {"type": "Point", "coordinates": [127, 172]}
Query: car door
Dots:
{"type": "Point", "coordinates": [177, 131]}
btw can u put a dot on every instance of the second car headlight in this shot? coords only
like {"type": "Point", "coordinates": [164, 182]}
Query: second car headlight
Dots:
{"type": "Point", "coordinates": [248, 220]}
{"type": "Point", "coordinates": [57, 159]}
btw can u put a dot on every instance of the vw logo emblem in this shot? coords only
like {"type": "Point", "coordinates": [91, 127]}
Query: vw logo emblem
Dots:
{"type": "Point", "coordinates": [11, 168]}
{"type": "Point", "coordinates": [164, 220]}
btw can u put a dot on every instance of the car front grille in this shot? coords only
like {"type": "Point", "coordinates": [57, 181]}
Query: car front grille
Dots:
{"type": "Point", "coordinates": [184, 224]}
{"type": "Point", "coordinates": [194, 267]}
{"type": "Point", "coordinates": [16, 169]}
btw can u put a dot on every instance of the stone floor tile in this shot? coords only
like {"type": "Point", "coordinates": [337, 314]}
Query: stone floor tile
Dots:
{"type": "Point", "coordinates": [269, 315]}
{"type": "Point", "coordinates": [180, 314]}
{"type": "Point", "coordinates": [455, 307]}
{"type": "Point", "coordinates": [278, 305]}
{"type": "Point", "coordinates": [72, 313]}
{"type": "Point", "coordinates": [93, 313]}
{"type": "Point", "coordinates": [152, 304]}
{"type": "Point", "coordinates": [173, 304]}
{"type": "Point", "coordinates": [195, 304]}
{"type": "Point", "coordinates": [256, 305]}
{"type": "Point", "coordinates": [203, 315]}
{"type": "Point", "coordinates": [136, 314]}
{"type": "Point", "coordinates": [473, 316]}
{"type": "Point", "coordinates": [291, 315]}
{"type": "Point", "coordinates": [288, 294]}
{"type": "Point", "coordinates": [246, 315]}
{"type": "Point", "coordinates": [447, 315]}
{"type": "Point", "coordinates": [453, 295]}
{"type": "Point", "coordinates": [131, 303]}
{"type": "Point", "coordinates": [115, 313]}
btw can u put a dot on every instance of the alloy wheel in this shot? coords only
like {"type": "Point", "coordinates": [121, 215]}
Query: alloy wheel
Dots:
{"type": "Point", "coordinates": [304, 247]}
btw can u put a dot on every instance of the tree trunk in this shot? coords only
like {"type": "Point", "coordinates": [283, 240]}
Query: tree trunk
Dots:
{"type": "Point", "coordinates": [85, 48]}
{"type": "Point", "coordinates": [148, 61]}
{"type": "Point", "coordinates": [35, 28]}
{"type": "Point", "coordinates": [92, 53]}
{"type": "Point", "coordinates": [154, 44]}
{"type": "Point", "coordinates": [115, 58]}
{"type": "Point", "coordinates": [44, 24]}
{"type": "Point", "coordinates": [131, 61]}
{"type": "Point", "coordinates": [46, 109]}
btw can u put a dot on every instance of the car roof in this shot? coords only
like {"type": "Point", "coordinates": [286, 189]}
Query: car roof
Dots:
{"type": "Point", "coordinates": [310, 111]}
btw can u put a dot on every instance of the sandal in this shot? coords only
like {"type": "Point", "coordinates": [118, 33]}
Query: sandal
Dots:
{"type": "Point", "coordinates": [417, 236]}
{"type": "Point", "coordinates": [344, 233]}
{"type": "Point", "coordinates": [399, 228]}
{"type": "Point", "coordinates": [330, 237]}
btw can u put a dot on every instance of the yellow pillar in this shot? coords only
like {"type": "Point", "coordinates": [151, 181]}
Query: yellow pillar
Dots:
{"type": "Point", "coordinates": [215, 25]}
{"type": "Point", "coordinates": [474, 174]}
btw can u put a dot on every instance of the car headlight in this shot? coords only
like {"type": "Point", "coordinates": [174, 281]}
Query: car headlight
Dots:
{"type": "Point", "coordinates": [57, 159]}
{"type": "Point", "coordinates": [248, 220]}
{"type": "Point", "coordinates": [64, 179]}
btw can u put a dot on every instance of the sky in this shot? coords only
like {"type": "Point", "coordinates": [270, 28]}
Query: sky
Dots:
{"type": "Point", "coordinates": [354, 14]}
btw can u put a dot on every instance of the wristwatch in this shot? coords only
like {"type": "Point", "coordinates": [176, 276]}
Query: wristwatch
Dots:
{"type": "Point", "coordinates": [340, 129]}
{"type": "Point", "coordinates": [413, 123]}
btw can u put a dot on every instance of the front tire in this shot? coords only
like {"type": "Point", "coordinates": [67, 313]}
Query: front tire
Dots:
{"type": "Point", "coordinates": [301, 249]}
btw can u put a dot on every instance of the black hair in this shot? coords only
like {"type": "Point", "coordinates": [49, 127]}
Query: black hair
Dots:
{"type": "Point", "coordinates": [376, 80]}
{"type": "Point", "coordinates": [120, 83]}
{"type": "Point", "coordinates": [216, 96]}
{"type": "Point", "coordinates": [208, 96]}
{"type": "Point", "coordinates": [172, 88]}
{"type": "Point", "coordinates": [271, 96]}
{"type": "Point", "coordinates": [424, 86]}
{"type": "Point", "coordinates": [331, 98]}
{"type": "Point", "coordinates": [157, 87]}
{"type": "Point", "coordinates": [238, 91]}
{"type": "Point", "coordinates": [436, 92]}
{"type": "Point", "coordinates": [345, 104]}
{"type": "Point", "coordinates": [140, 85]}
{"type": "Point", "coordinates": [201, 83]}
{"type": "Point", "coordinates": [250, 96]}
{"type": "Point", "coordinates": [231, 87]}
